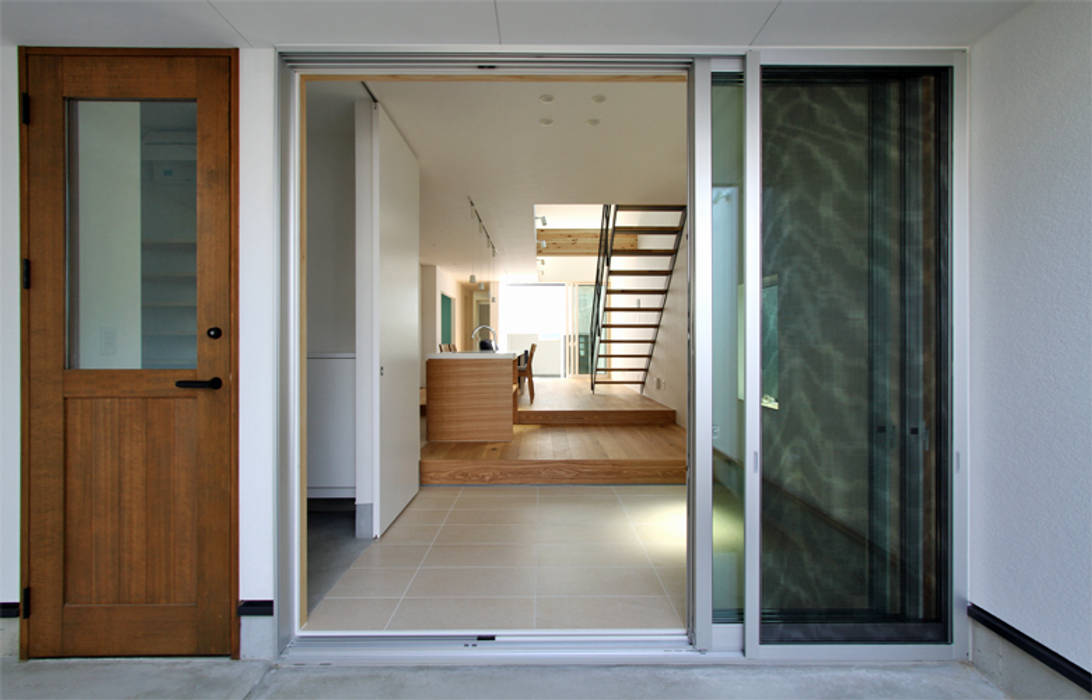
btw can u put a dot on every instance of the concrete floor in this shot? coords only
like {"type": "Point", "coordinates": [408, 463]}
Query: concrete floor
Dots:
{"type": "Point", "coordinates": [217, 678]}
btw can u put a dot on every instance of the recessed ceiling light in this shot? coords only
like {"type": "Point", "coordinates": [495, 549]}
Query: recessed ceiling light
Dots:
{"type": "Point", "coordinates": [546, 121]}
{"type": "Point", "coordinates": [599, 98]}
{"type": "Point", "coordinates": [593, 122]}
{"type": "Point", "coordinates": [545, 97]}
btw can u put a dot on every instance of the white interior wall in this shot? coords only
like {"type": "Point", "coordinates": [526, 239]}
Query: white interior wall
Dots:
{"type": "Point", "coordinates": [330, 220]}
{"type": "Point", "coordinates": [331, 280]}
{"type": "Point", "coordinates": [448, 284]}
{"type": "Point", "coordinates": [670, 354]}
{"type": "Point", "coordinates": [1031, 333]}
{"type": "Point", "coordinates": [10, 334]}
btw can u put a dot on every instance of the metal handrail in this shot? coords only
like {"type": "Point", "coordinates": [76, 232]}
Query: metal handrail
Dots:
{"type": "Point", "coordinates": [598, 304]}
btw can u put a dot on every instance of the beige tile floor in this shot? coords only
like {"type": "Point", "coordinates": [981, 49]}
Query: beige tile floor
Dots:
{"type": "Point", "coordinates": [480, 559]}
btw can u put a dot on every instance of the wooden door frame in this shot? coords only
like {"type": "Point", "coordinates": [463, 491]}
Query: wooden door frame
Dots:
{"type": "Point", "coordinates": [233, 336]}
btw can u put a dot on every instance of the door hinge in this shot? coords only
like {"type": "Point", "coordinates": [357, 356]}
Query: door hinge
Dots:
{"type": "Point", "coordinates": [26, 602]}
{"type": "Point", "coordinates": [26, 107]}
{"type": "Point", "coordinates": [26, 273]}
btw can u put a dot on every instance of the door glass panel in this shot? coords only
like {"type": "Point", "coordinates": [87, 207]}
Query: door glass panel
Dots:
{"type": "Point", "coordinates": [728, 397]}
{"type": "Point", "coordinates": [854, 375]}
{"type": "Point", "coordinates": [131, 235]}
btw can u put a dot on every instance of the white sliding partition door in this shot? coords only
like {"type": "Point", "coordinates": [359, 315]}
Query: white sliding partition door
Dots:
{"type": "Point", "coordinates": [388, 316]}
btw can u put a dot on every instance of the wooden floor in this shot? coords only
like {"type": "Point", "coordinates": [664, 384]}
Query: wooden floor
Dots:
{"type": "Point", "coordinates": [570, 436]}
{"type": "Point", "coordinates": [571, 402]}
{"type": "Point", "coordinates": [563, 454]}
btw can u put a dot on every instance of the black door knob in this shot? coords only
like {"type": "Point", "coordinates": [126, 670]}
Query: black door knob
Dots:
{"type": "Point", "coordinates": [214, 332]}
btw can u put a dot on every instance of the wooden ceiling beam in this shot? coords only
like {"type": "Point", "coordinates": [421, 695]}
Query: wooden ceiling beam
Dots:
{"type": "Point", "coordinates": [577, 241]}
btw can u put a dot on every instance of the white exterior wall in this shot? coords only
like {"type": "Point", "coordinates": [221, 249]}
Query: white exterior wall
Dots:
{"type": "Point", "coordinates": [1031, 326]}
{"type": "Point", "coordinates": [10, 366]}
{"type": "Point", "coordinates": [259, 304]}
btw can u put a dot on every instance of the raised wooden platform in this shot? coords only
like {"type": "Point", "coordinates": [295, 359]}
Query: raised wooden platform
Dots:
{"type": "Point", "coordinates": [530, 416]}
{"type": "Point", "coordinates": [571, 402]}
{"type": "Point", "coordinates": [558, 454]}
{"type": "Point", "coordinates": [605, 472]}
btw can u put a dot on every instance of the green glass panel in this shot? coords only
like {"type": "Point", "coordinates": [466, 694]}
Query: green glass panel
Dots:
{"type": "Point", "coordinates": [728, 397]}
{"type": "Point", "coordinates": [445, 319]}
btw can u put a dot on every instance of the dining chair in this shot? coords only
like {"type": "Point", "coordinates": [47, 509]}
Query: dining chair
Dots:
{"type": "Point", "coordinates": [525, 372]}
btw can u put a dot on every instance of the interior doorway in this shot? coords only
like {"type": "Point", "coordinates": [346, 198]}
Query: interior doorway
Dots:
{"type": "Point", "coordinates": [589, 511]}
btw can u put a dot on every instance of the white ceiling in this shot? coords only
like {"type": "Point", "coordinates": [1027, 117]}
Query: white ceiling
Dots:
{"type": "Point", "coordinates": [483, 140]}
{"type": "Point", "coordinates": [666, 23]}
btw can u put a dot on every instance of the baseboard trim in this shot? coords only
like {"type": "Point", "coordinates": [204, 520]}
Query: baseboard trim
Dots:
{"type": "Point", "coordinates": [255, 608]}
{"type": "Point", "coordinates": [1039, 651]}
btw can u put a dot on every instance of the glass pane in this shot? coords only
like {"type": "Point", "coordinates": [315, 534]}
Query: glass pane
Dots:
{"type": "Point", "coordinates": [728, 443]}
{"type": "Point", "coordinates": [132, 235]}
{"type": "Point", "coordinates": [445, 319]}
{"type": "Point", "coordinates": [854, 535]}
{"type": "Point", "coordinates": [585, 293]}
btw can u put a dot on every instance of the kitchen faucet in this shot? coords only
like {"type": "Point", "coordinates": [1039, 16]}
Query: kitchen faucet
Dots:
{"type": "Point", "coordinates": [485, 344]}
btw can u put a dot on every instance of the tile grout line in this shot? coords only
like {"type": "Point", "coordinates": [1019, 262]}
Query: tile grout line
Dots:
{"type": "Point", "coordinates": [655, 571]}
{"type": "Point", "coordinates": [421, 563]}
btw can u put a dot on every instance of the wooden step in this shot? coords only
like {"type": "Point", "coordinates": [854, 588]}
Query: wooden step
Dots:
{"type": "Point", "coordinates": [631, 340]}
{"type": "Point", "coordinates": [611, 370]}
{"type": "Point", "coordinates": [653, 230]}
{"type": "Point", "coordinates": [643, 357]}
{"type": "Point", "coordinates": [634, 309]}
{"type": "Point", "coordinates": [640, 273]}
{"type": "Point", "coordinates": [532, 416]}
{"type": "Point", "coordinates": [643, 252]}
{"type": "Point", "coordinates": [631, 325]}
{"type": "Point", "coordinates": [635, 291]}
{"type": "Point", "coordinates": [617, 381]}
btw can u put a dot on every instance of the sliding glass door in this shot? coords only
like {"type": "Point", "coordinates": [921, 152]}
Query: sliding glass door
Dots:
{"type": "Point", "coordinates": [854, 356]}
{"type": "Point", "coordinates": [850, 391]}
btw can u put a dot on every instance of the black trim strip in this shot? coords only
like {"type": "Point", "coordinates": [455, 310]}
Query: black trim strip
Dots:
{"type": "Point", "coordinates": [9, 610]}
{"type": "Point", "coordinates": [1049, 657]}
{"type": "Point", "coordinates": [255, 608]}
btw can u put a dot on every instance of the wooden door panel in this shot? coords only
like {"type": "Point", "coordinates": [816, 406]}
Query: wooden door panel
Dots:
{"type": "Point", "coordinates": [112, 77]}
{"type": "Point", "coordinates": [130, 493]}
{"type": "Point", "coordinates": [129, 480]}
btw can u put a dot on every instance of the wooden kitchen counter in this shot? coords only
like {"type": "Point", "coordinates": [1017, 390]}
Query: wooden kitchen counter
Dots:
{"type": "Point", "coordinates": [469, 396]}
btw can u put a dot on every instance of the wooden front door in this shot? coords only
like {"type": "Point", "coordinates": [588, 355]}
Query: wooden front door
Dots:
{"type": "Point", "coordinates": [128, 164]}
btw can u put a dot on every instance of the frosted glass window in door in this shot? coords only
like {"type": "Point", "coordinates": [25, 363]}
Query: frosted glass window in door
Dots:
{"type": "Point", "coordinates": [131, 234]}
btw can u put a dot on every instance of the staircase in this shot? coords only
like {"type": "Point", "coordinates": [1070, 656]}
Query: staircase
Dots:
{"type": "Point", "coordinates": [638, 244]}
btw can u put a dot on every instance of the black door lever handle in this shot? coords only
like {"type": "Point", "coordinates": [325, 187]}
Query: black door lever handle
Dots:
{"type": "Point", "coordinates": [214, 383]}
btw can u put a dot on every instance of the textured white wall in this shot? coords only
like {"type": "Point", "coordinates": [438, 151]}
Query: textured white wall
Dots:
{"type": "Point", "coordinates": [1031, 325]}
